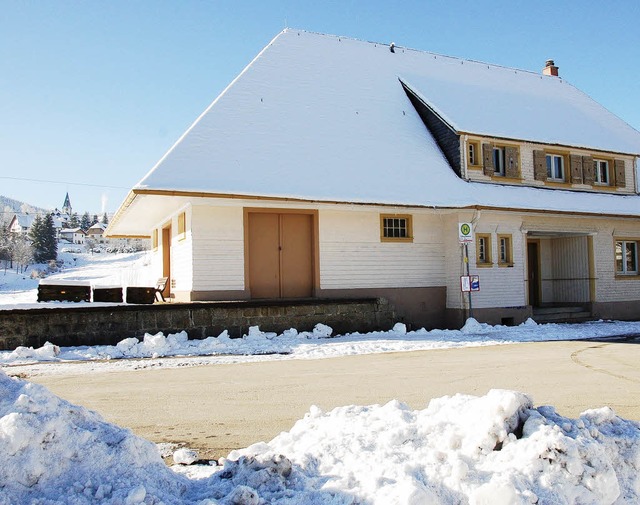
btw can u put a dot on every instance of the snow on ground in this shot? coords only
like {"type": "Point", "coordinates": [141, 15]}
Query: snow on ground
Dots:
{"type": "Point", "coordinates": [19, 290]}
{"type": "Point", "coordinates": [291, 344]}
{"type": "Point", "coordinates": [496, 449]}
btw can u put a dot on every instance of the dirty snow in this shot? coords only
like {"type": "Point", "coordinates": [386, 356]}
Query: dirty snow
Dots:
{"type": "Point", "coordinates": [496, 449]}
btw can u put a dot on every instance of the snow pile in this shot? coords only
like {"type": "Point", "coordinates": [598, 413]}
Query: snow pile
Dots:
{"type": "Point", "coordinates": [315, 344]}
{"type": "Point", "coordinates": [495, 449]}
{"type": "Point", "coordinates": [53, 450]}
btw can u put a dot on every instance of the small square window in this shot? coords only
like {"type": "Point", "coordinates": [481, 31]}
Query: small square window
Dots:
{"type": "Point", "coordinates": [505, 252]}
{"type": "Point", "coordinates": [396, 228]}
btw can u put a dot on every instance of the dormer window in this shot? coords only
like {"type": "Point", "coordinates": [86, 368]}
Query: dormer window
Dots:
{"type": "Point", "coordinates": [555, 167]}
{"type": "Point", "coordinates": [601, 170]}
{"type": "Point", "coordinates": [473, 154]}
{"type": "Point", "coordinates": [498, 161]}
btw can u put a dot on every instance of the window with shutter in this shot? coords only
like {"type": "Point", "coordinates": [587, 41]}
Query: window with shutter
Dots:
{"type": "Point", "coordinates": [539, 165]}
{"type": "Point", "coordinates": [576, 169]}
{"type": "Point", "coordinates": [487, 159]}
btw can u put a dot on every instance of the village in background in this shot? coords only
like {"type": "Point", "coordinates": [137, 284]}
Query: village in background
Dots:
{"type": "Point", "coordinates": [32, 235]}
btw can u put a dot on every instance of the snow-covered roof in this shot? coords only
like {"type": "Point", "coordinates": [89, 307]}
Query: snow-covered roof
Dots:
{"type": "Point", "coordinates": [325, 118]}
{"type": "Point", "coordinates": [73, 230]}
{"type": "Point", "coordinates": [24, 220]}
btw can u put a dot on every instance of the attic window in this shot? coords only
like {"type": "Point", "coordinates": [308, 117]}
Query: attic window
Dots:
{"type": "Point", "coordinates": [498, 161]}
{"type": "Point", "coordinates": [473, 154]}
{"type": "Point", "coordinates": [601, 170]}
{"type": "Point", "coordinates": [396, 228]}
{"type": "Point", "coordinates": [555, 167]}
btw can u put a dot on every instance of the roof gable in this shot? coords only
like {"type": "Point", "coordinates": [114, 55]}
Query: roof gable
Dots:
{"type": "Point", "coordinates": [323, 118]}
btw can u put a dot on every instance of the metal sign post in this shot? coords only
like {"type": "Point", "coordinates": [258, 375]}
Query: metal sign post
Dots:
{"type": "Point", "coordinates": [465, 235]}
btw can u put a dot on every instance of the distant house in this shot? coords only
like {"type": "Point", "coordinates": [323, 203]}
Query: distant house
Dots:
{"type": "Point", "coordinates": [332, 167]}
{"type": "Point", "coordinates": [73, 235]}
{"type": "Point", "coordinates": [96, 232]}
{"type": "Point", "coordinates": [21, 223]}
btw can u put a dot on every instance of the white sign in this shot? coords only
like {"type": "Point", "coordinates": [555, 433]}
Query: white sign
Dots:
{"type": "Point", "coordinates": [469, 283]}
{"type": "Point", "coordinates": [465, 233]}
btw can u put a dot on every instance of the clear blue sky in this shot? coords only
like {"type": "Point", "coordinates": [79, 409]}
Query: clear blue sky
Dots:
{"type": "Point", "coordinates": [93, 93]}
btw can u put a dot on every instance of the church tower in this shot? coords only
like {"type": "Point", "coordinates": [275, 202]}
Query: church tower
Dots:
{"type": "Point", "coordinates": [66, 206]}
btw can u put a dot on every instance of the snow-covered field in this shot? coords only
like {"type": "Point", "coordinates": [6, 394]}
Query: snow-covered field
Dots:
{"type": "Point", "coordinates": [496, 449]}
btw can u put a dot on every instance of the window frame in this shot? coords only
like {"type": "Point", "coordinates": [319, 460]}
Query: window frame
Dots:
{"type": "Point", "coordinates": [488, 259]}
{"type": "Point", "coordinates": [408, 227]}
{"type": "Point", "coordinates": [182, 225]}
{"type": "Point", "coordinates": [506, 259]}
{"type": "Point", "coordinates": [154, 239]}
{"type": "Point", "coordinates": [551, 167]}
{"type": "Point", "coordinates": [474, 146]}
{"type": "Point", "coordinates": [596, 171]}
{"type": "Point", "coordinates": [499, 167]}
{"type": "Point", "coordinates": [625, 272]}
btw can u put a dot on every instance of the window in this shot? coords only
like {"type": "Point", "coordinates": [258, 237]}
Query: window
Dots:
{"type": "Point", "coordinates": [555, 167]}
{"type": "Point", "coordinates": [154, 239]}
{"type": "Point", "coordinates": [472, 154]}
{"type": "Point", "coordinates": [601, 171]}
{"type": "Point", "coordinates": [396, 228]}
{"type": "Point", "coordinates": [626, 257]}
{"type": "Point", "coordinates": [505, 256]}
{"type": "Point", "coordinates": [182, 225]}
{"type": "Point", "coordinates": [483, 249]}
{"type": "Point", "coordinates": [498, 160]}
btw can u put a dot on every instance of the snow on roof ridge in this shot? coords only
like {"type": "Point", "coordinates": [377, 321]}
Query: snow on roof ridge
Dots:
{"type": "Point", "coordinates": [422, 51]}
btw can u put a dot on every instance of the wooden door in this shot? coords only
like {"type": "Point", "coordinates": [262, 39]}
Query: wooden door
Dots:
{"type": "Point", "coordinates": [280, 250]}
{"type": "Point", "coordinates": [533, 273]}
{"type": "Point", "coordinates": [296, 269]}
{"type": "Point", "coordinates": [264, 255]}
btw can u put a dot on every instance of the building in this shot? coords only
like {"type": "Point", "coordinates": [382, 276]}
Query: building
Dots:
{"type": "Point", "coordinates": [72, 235]}
{"type": "Point", "coordinates": [332, 167]}
{"type": "Point", "coordinates": [21, 223]}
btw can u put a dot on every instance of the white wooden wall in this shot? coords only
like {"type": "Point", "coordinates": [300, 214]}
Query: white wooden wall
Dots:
{"type": "Point", "coordinates": [353, 256]}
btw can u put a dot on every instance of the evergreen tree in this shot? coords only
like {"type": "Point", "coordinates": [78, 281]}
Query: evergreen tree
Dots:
{"type": "Point", "coordinates": [85, 222]}
{"type": "Point", "coordinates": [105, 219]}
{"type": "Point", "coordinates": [74, 220]}
{"type": "Point", "coordinates": [43, 239]}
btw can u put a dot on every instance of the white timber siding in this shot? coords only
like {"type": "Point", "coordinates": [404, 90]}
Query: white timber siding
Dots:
{"type": "Point", "coordinates": [181, 254]}
{"type": "Point", "coordinates": [353, 256]}
{"type": "Point", "coordinates": [609, 287]}
{"type": "Point", "coordinates": [526, 166]}
{"type": "Point", "coordinates": [500, 286]}
{"type": "Point", "coordinates": [217, 248]}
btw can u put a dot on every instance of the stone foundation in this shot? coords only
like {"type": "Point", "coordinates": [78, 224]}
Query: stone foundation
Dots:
{"type": "Point", "coordinates": [87, 325]}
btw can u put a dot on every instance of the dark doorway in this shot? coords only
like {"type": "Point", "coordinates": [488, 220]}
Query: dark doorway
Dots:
{"type": "Point", "coordinates": [533, 272]}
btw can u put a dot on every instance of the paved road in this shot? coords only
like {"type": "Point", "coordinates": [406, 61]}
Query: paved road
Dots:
{"type": "Point", "coordinates": [222, 407]}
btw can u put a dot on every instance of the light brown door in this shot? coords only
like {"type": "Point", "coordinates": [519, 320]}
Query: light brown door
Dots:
{"type": "Point", "coordinates": [166, 259]}
{"type": "Point", "coordinates": [280, 253]}
{"type": "Point", "coordinates": [296, 271]}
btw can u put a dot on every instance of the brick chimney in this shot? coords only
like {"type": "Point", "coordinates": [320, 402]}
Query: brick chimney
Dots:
{"type": "Point", "coordinates": [550, 68]}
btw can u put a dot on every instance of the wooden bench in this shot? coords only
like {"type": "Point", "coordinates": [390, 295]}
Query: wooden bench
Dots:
{"type": "Point", "coordinates": [160, 287]}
